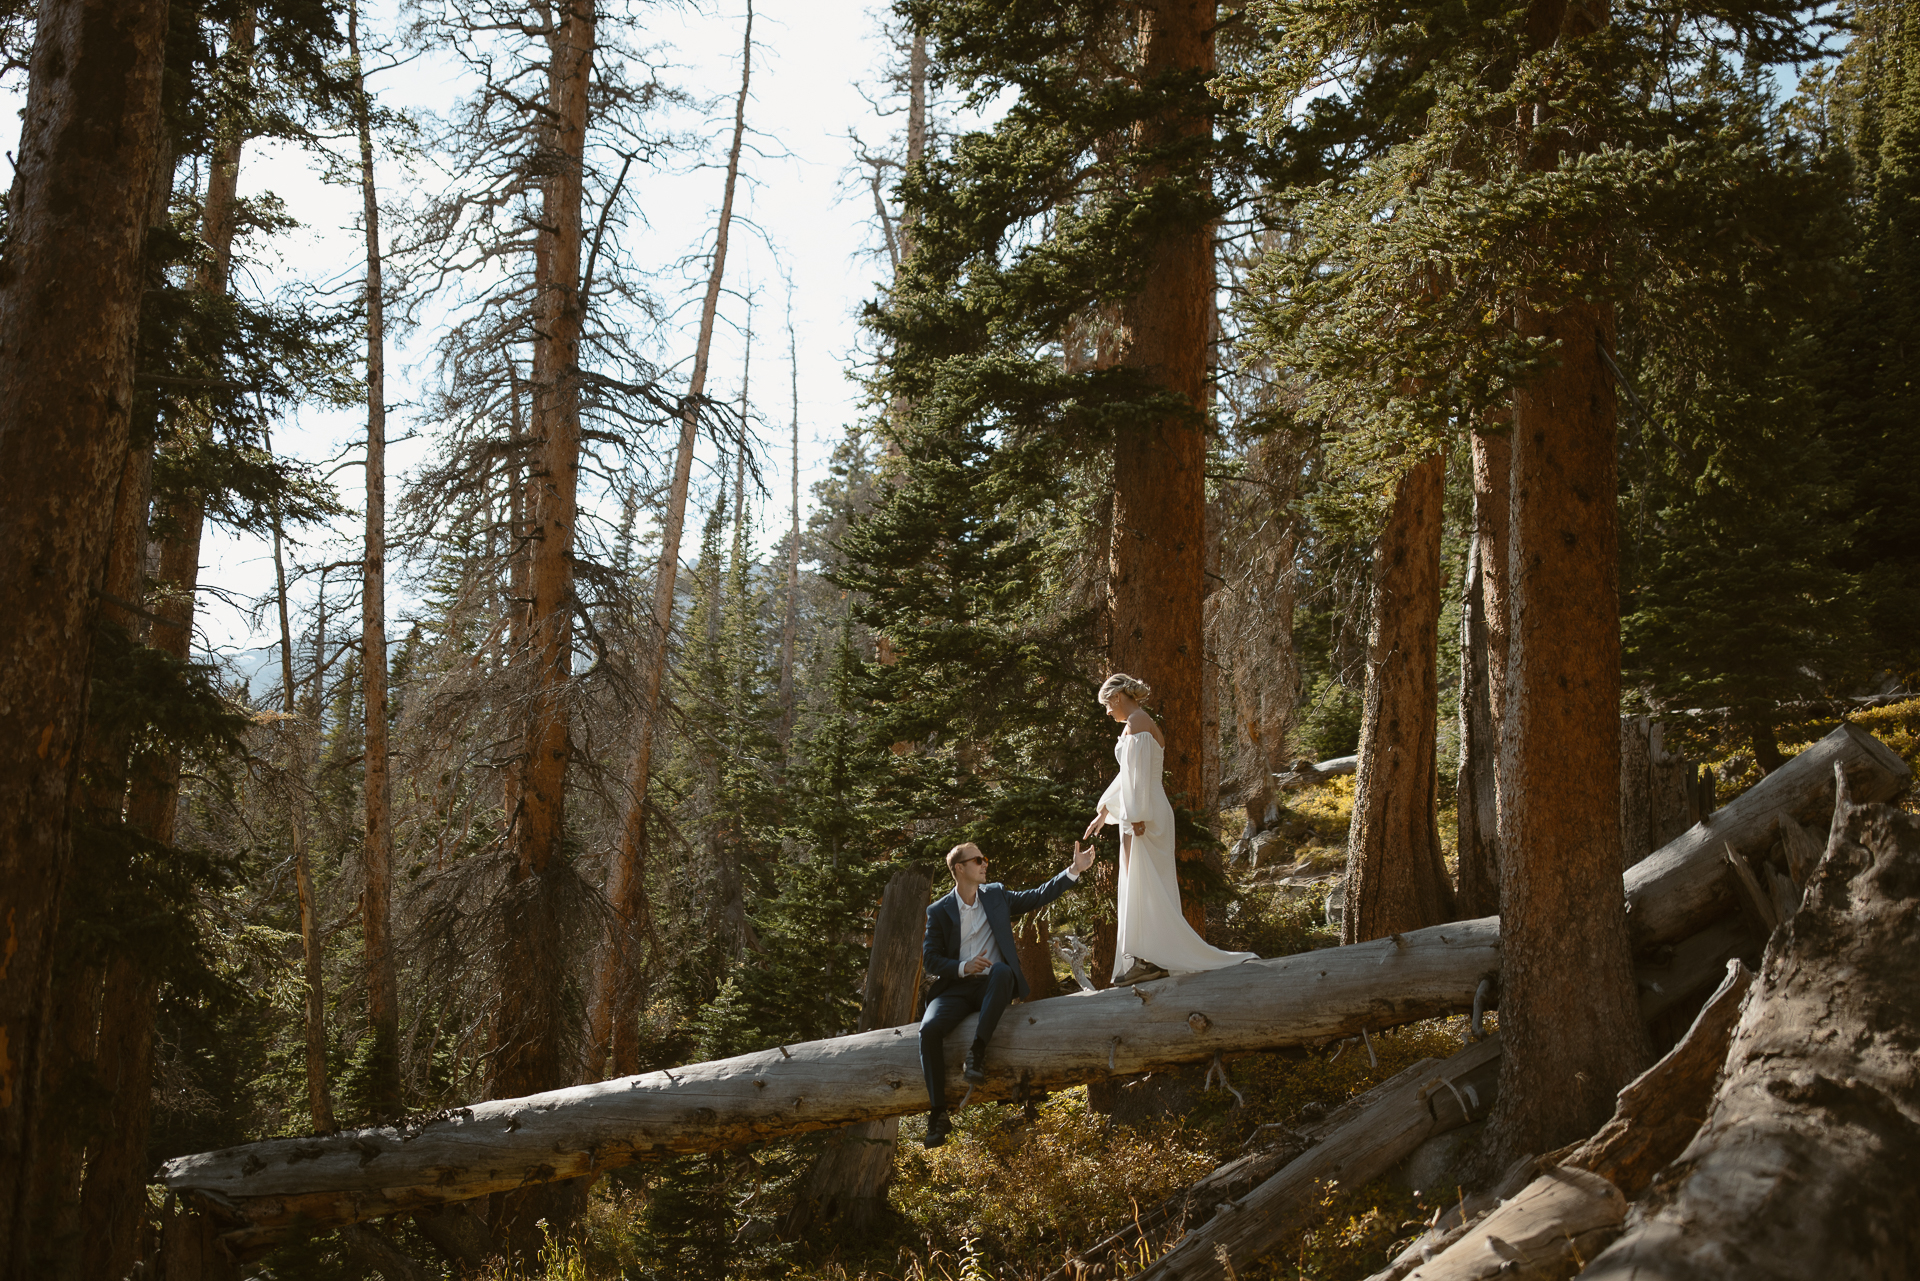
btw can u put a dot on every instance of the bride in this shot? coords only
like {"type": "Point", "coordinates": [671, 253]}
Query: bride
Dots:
{"type": "Point", "coordinates": [1154, 936]}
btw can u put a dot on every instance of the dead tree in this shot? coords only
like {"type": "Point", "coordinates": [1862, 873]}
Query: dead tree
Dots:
{"type": "Point", "coordinates": [376, 907]}
{"type": "Point", "coordinates": [268, 1189]}
{"type": "Point", "coordinates": [610, 1020]}
{"type": "Point", "coordinates": [1483, 667]}
{"type": "Point", "coordinates": [1819, 1105]}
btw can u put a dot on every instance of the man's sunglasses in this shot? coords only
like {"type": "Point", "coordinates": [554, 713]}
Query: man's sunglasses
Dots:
{"type": "Point", "coordinates": [977, 858]}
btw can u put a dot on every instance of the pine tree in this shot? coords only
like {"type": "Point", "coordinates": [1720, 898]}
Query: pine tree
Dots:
{"type": "Point", "coordinates": [1868, 401]}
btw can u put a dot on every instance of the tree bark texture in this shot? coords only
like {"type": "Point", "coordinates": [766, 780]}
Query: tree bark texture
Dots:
{"type": "Point", "coordinates": [376, 904]}
{"type": "Point", "coordinates": [847, 1187]}
{"type": "Point", "coordinates": [1156, 581]}
{"type": "Point", "coordinates": [1396, 878]}
{"type": "Point", "coordinates": [88, 980]}
{"type": "Point", "coordinates": [70, 285]}
{"type": "Point", "coordinates": [1663, 1108]}
{"type": "Point", "coordinates": [610, 1014]}
{"type": "Point", "coordinates": [469, 1152]}
{"type": "Point", "coordinates": [1804, 1167]}
{"type": "Point", "coordinates": [1567, 1006]}
{"type": "Point", "coordinates": [1483, 668]}
{"type": "Point", "coordinates": [532, 1041]}
{"type": "Point", "coordinates": [1658, 797]}
{"type": "Point", "coordinates": [1540, 1234]}
{"type": "Point", "coordinates": [1253, 623]}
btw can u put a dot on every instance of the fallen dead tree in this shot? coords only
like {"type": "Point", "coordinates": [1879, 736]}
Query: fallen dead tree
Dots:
{"type": "Point", "coordinates": [1366, 1138]}
{"type": "Point", "coordinates": [268, 1190]}
{"type": "Point", "coordinates": [1306, 773]}
{"type": "Point", "coordinates": [1368, 1133]}
{"type": "Point", "coordinates": [1805, 1166]}
{"type": "Point", "coordinates": [1553, 1222]}
{"type": "Point", "coordinates": [1778, 1139]}
{"type": "Point", "coordinates": [1683, 885]}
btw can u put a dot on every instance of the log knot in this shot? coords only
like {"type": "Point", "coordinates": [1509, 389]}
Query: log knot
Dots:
{"type": "Point", "coordinates": [1198, 1022]}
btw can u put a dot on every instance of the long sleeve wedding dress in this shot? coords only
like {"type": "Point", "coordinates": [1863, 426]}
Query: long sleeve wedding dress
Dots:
{"type": "Point", "coordinates": [1152, 928]}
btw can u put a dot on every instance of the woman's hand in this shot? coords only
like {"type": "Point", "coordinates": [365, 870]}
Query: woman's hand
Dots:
{"type": "Point", "coordinates": [1140, 827]}
{"type": "Point", "coordinates": [1093, 828]}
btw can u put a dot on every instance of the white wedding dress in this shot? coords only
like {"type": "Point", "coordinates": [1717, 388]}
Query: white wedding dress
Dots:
{"type": "Point", "coordinates": [1151, 926]}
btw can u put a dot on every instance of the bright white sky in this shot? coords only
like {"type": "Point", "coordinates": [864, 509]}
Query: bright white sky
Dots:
{"type": "Point", "coordinates": [811, 208]}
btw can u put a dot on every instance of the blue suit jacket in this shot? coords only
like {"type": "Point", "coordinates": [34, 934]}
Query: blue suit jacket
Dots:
{"type": "Point", "coordinates": [1004, 906]}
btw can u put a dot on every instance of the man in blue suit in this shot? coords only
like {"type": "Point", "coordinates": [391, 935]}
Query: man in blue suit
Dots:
{"type": "Point", "coordinates": [973, 965]}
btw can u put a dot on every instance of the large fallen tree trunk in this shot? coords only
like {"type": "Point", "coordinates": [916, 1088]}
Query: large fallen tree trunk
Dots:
{"type": "Point", "coordinates": [1574, 1208]}
{"type": "Point", "coordinates": [1805, 1166]}
{"type": "Point", "coordinates": [1368, 1137]}
{"type": "Point", "coordinates": [1363, 1132]}
{"type": "Point", "coordinates": [270, 1189]}
{"type": "Point", "coordinates": [1684, 884]}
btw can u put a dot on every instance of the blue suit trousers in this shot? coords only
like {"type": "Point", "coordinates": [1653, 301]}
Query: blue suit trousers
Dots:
{"type": "Point", "coordinates": [989, 993]}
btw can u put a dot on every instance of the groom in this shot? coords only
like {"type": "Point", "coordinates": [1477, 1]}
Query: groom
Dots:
{"type": "Point", "coordinates": [971, 959]}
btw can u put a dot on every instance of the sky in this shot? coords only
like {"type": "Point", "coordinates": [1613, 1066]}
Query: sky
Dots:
{"type": "Point", "coordinates": [802, 212]}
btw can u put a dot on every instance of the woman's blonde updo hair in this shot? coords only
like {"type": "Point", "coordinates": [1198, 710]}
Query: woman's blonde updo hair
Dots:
{"type": "Point", "coordinates": [1121, 683]}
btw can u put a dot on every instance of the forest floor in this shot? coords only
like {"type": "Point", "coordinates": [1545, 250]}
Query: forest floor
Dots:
{"type": "Point", "coordinates": [1017, 1191]}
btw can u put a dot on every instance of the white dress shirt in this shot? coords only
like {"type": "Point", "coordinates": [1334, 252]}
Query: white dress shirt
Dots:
{"type": "Point", "coordinates": [976, 936]}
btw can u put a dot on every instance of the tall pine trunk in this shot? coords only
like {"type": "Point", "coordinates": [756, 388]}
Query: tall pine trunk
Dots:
{"type": "Point", "coordinates": [376, 905]}
{"type": "Point", "coordinates": [319, 1105]}
{"type": "Point", "coordinates": [534, 1036]}
{"type": "Point", "coordinates": [1156, 584]}
{"type": "Point", "coordinates": [611, 1025]}
{"type": "Point", "coordinates": [531, 1037]}
{"type": "Point", "coordinates": [94, 1093]}
{"type": "Point", "coordinates": [70, 286]}
{"type": "Point", "coordinates": [1483, 668]}
{"type": "Point", "coordinates": [1396, 879]}
{"type": "Point", "coordinates": [1568, 1006]}
{"type": "Point", "coordinates": [112, 1199]}
{"type": "Point", "coordinates": [790, 625]}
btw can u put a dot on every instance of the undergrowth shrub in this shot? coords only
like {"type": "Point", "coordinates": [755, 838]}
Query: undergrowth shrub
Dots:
{"type": "Point", "coordinates": [1897, 725]}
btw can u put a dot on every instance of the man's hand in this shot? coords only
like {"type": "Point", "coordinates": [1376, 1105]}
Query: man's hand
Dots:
{"type": "Point", "coordinates": [1082, 858]}
{"type": "Point", "coordinates": [979, 964]}
{"type": "Point", "coordinates": [1093, 828]}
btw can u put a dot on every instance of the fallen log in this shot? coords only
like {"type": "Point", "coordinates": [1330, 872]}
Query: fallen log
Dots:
{"type": "Point", "coordinates": [1576, 1206]}
{"type": "Point", "coordinates": [1658, 1112]}
{"type": "Point", "coordinates": [1366, 1138]}
{"type": "Point", "coordinates": [1804, 1167]}
{"type": "Point", "coordinates": [1662, 1109]}
{"type": "Point", "coordinates": [266, 1191]}
{"type": "Point", "coordinates": [1685, 883]}
{"type": "Point", "coordinates": [270, 1189]}
{"type": "Point", "coordinates": [1475, 1081]}
{"type": "Point", "coordinates": [1306, 774]}
{"type": "Point", "coordinates": [1544, 1234]}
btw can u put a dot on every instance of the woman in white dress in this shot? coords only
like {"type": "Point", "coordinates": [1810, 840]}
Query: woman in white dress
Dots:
{"type": "Point", "coordinates": [1154, 936]}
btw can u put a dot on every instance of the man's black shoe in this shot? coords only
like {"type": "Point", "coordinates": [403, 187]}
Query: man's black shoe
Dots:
{"type": "Point", "coordinates": [938, 1128]}
{"type": "Point", "coordinates": [976, 1069]}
